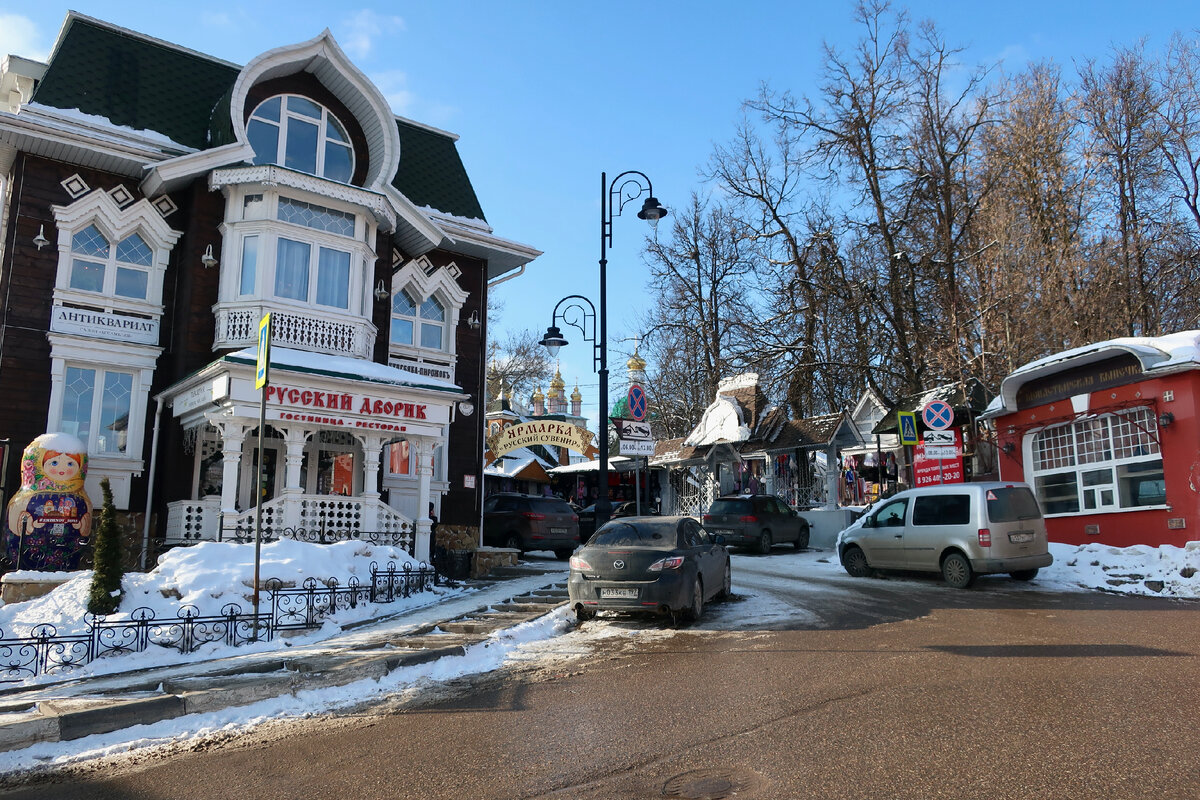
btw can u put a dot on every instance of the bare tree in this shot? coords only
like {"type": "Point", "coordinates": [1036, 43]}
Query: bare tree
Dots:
{"type": "Point", "coordinates": [517, 364]}
{"type": "Point", "coordinates": [699, 277]}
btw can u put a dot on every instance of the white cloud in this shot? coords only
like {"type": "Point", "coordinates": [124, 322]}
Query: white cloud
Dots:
{"type": "Point", "coordinates": [20, 36]}
{"type": "Point", "coordinates": [394, 86]}
{"type": "Point", "coordinates": [359, 32]}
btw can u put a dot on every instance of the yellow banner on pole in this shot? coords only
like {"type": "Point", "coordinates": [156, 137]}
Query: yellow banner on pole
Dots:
{"type": "Point", "coordinates": [549, 433]}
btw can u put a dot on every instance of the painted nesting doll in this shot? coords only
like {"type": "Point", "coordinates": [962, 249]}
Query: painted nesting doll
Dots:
{"type": "Point", "coordinates": [49, 519]}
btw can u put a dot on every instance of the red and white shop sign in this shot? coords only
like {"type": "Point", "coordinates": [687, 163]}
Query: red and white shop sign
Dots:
{"type": "Point", "coordinates": [932, 471]}
{"type": "Point", "coordinates": [311, 400]}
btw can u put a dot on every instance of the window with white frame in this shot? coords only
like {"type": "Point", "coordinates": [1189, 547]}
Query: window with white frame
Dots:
{"type": "Point", "coordinates": [120, 269]}
{"type": "Point", "coordinates": [96, 405]}
{"type": "Point", "coordinates": [297, 133]}
{"type": "Point", "coordinates": [423, 325]}
{"type": "Point", "coordinates": [401, 461]}
{"type": "Point", "coordinates": [315, 259]}
{"type": "Point", "coordinates": [1110, 462]}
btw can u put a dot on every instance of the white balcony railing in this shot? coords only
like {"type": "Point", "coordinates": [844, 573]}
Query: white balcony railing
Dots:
{"type": "Point", "coordinates": [237, 326]}
{"type": "Point", "coordinates": [190, 521]}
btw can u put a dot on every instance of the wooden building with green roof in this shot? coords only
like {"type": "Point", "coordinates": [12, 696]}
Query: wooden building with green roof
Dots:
{"type": "Point", "coordinates": [158, 203]}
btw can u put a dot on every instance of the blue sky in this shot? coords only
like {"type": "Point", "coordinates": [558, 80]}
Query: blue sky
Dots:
{"type": "Point", "coordinates": [546, 95]}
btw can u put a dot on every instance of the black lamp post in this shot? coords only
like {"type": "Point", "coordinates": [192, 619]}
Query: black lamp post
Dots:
{"type": "Point", "coordinates": [626, 187]}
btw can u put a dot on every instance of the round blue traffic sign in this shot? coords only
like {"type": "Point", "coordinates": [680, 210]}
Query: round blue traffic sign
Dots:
{"type": "Point", "coordinates": [637, 402]}
{"type": "Point", "coordinates": [937, 415]}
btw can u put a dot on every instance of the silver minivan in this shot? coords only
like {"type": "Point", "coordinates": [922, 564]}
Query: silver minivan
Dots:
{"type": "Point", "coordinates": [961, 530]}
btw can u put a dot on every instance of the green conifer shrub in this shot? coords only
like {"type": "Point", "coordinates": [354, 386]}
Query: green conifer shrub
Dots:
{"type": "Point", "coordinates": [105, 595]}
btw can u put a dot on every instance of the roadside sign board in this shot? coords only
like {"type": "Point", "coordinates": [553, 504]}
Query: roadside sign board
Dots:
{"type": "Point", "coordinates": [941, 444]}
{"type": "Point", "coordinates": [636, 399]}
{"type": "Point", "coordinates": [908, 427]}
{"type": "Point", "coordinates": [637, 447]}
{"type": "Point", "coordinates": [632, 429]}
{"type": "Point", "coordinates": [263, 366]}
{"type": "Point", "coordinates": [931, 470]}
{"type": "Point", "coordinates": [937, 415]}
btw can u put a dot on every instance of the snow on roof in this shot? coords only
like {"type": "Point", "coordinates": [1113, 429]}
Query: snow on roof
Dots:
{"type": "Point", "coordinates": [617, 463]}
{"type": "Point", "coordinates": [511, 464]}
{"type": "Point", "coordinates": [1173, 349]}
{"type": "Point", "coordinates": [344, 366]}
{"type": "Point", "coordinates": [1156, 354]}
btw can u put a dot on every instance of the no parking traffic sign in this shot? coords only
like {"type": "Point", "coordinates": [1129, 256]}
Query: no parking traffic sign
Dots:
{"type": "Point", "coordinates": [937, 415]}
{"type": "Point", "coordinates": [636, 399]}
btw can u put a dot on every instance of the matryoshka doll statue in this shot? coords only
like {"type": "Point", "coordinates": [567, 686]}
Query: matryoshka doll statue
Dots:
{"type": "Point", "coordinates": [49, 519]}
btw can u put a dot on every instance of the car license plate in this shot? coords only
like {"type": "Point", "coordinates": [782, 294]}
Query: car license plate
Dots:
{"type": "Point", "coordinates": [618, 594]}
{"type": "Point", "coordinates": [721, 532]}
{"type": "Point", "coordinates": [1021, 537]}
{"type": "Point", "coordinates": [559, 531]}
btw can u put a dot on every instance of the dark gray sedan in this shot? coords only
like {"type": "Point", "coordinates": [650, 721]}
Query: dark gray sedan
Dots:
{"type": "Point", "coordinates": [661, 565]}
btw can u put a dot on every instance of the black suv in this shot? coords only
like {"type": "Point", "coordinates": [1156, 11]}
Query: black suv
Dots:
{"type": "Point", "coordinates": [530, 522]}
{"type": "Point", "coordinates": [760, 520]}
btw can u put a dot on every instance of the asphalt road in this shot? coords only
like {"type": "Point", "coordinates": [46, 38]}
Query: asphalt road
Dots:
{"type": "Point", "coordinates": [892, 688]}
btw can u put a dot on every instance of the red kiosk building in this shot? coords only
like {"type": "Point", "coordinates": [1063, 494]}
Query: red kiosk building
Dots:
{"type": "Point", "coordinates": [1109, 437]}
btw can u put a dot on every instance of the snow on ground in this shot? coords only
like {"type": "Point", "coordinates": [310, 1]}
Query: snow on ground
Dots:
{"type": "Point", "coordinates": [209, 576]}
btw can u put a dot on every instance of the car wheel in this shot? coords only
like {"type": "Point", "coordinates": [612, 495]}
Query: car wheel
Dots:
{"type": "Point", "coordinates": [854, 560]}
{"type": "Point", "coordinates": [956, 571]}
{"type": "Point", "coordinates": [802, 539]}
{"type": "Point", "coordinates": [764, 542]}
{"type": "Point", "coordinates": [513, 542]}
{"type": "Point", "coordinates": [583, 614]}
{"type": "Point", "coordinates": [693, 613]}
{"type": "Point", "coordinates": [726, 585]}
{"type": "Point", "coordinates": [1024, 574]}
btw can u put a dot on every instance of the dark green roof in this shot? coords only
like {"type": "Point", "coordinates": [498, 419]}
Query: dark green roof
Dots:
{"type": "Point", "coordinates": [144, 84]}
{"type": "Point", "coordinates": [134, 82]}
{"type": "Point", "coordinates": [432, 174]}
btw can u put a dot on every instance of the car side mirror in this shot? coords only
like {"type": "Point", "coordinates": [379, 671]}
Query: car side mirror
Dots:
{"type": "Point", "coordinates": [718, 539]}
{"type": "Point", "coordinates": [869, 522]}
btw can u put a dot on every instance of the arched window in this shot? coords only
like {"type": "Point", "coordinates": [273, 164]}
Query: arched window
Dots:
{"type": "Point", "coordinates": [299, 134]}
{"type": "Point", "coordinates": [121, 271]}
{"type": "Point", "coordinates": [412, 324]}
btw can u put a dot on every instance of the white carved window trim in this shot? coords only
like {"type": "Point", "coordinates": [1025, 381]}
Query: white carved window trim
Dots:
{"type": "Point", "coordinates": [116, 224]}
{"type": "Point", "coordinates": [422, 280]}
{"type": "Point", "coordinates": [68, 350]}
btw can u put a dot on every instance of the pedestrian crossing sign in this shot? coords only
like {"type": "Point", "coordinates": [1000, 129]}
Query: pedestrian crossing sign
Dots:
{"type": "Point", "coordinates": [908, 426]}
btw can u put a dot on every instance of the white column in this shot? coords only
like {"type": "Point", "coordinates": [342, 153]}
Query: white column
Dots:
{"type": "Point", "coordinates": [370, 466]}
{"type": "Point", "coordinates": [424, 447]}
{"type": "Point", "coordinates": [294, 459]}
{"type": "Point", "coordinates": [233, 436]}
{"type": "Point", "coordinates": [370, 482]}
{"type": "Point", "coordinates": [292, 494]}
{"type": "Point", "coordinates": [833, 477]}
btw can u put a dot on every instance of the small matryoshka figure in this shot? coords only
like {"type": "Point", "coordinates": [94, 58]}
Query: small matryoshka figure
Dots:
{"type": "Point", "coordinates": [49, 519]}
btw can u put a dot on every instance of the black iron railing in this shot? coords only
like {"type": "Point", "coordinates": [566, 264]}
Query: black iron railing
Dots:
{"type": "Point", "coordinates": [46, 652]}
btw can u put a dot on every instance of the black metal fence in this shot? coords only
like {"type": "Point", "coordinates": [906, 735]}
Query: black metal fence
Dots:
{"type": "Point", "coordinates": [45, 651]}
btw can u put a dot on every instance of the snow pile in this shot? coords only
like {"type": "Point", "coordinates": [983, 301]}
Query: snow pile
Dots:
{"type": "Point", "coordinates": [1165, 571]}
{"type": "Point", "coordinates": [209, 576]}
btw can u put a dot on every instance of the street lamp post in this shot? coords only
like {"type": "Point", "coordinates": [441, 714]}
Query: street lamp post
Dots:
{"type": "Point", "coordinates": [625, 188]}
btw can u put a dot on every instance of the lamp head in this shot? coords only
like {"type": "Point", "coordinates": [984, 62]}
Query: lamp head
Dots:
{"type": "Point", "coordinates": [652, 210]}
{"type": "Point", "coordinates": [208, 259]}
{"type": "Point", "coordinates": [553, 340]}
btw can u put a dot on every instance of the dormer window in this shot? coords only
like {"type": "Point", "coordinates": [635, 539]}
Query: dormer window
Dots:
{"type": "Point", "coordinates": [297, 133]}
